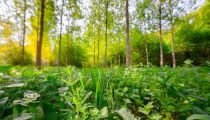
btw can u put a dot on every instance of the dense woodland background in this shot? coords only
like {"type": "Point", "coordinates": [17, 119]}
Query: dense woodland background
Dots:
{"type": "Point", "coordinates": [90, 33]}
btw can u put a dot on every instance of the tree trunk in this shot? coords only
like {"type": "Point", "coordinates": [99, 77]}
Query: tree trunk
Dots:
{"type": "Point", "coordinates": [119, 52]}
{"type": "Point", "coordinates": [24, 32]}
{"type": "Point", "coordinates": [172, 35]}
{"type": "Point", "coordinates": [99, 20]}
{"type": "Point", "coordinates": [160, 34]}
{"type": "Point", "coordinates": [39, 45]}
{"type": "Point", "coordinates": [94, 56]}
{"type": "Point", "coordinates": [67, 44]}
{"type": "Point", "coordinates": [98, 47]}
{"type": "Point", "coordinates": [60, 36]}
{"type": "Point", "coordinates": [67, 48]}
{"type": "Point", "coordinates": [37, 28]}
{"type": "Point", "coordinates": [128, 51]}
{"type": "Point", "coordinates": [147, 54]}
{"type": "Point", "coordinates": [94, 47]}
{"type": "Point", "coordinates": [172, 46]}
{"type": "Point", "coordinates": [105, 54]}
{"type": "Point", "coordinates": [146, 45]}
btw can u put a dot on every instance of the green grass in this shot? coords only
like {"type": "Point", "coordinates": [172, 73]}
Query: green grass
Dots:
{"type": "Point", "coordinates": [68, 93]}
{"type": "Point", "coordinates": [5, 69]}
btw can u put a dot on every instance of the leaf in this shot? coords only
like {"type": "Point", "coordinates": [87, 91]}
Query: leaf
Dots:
{"type": "Point", "coordinates": [149, 105]}
{"type": "Point", "coordinates": [15, 85]}
{"type": "Point", "coordinates": [199, 98]}
{"type": "Point", "coordinates": [3, 100]}
{"type": "Point", "coordinates": [126, 114]}
{"type": "Point", "coordinates": [1, 92]}
{"type": "Point", "coordinates": [94, 111]}
{"type": "Point", "coordinates": [104, 112]}
{"type": "Point", "coordinates": [143, 110]}
{"type": "Point", "coordinates": [1, 74]}
{"type": "Point", "coordinates": [128, 101]}
{"type": "Point", "coordinates": [19, 102]}
{"type": "Point", "coordinates": [31, 95]}
{"type": "Point", "coordinates": [198, 117]}
{"type": "Point", "coordinates": [24, 116]}
{"type": "Point", "coordinates": [199, 110]}
{"type": "Point", "coordinates": [155, 117]}
{"type": "Point", "coordinates": [87, 96]}
{"type": "Point", "coordinates": [146, 109]}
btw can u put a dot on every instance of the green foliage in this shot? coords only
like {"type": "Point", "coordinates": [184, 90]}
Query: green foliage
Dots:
{"type": "Point", "coordinates": [12, 56]}
{"type": "Point", "coordinates": [136, 92]}
{"type": "Point", "coordinates": [188, 63]}
{"type": "Point", "coordinates": [71, 52]}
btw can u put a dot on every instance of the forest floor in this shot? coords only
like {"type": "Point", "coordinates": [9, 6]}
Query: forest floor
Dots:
{"type": "Point", "coordinates": [69, 93]}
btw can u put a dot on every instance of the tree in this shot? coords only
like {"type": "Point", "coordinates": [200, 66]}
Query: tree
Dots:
{"type": "Point", "coordinates": [39, 42]}
{"type": "Point", "coordinates": [172, 32]}
{"type": "Point", "coordinates": [128, 48]}
{"type": "Point", "coordinates": [20, 8]}
{"type": "Point", "coordinates": [67, 42]}
{"type": "Point", "coordinates": [173, 5]}
{"type": "Point", "coordinates": [106, 24]}
{"type": "Point", "coordinates": [24, 33]}
{"type": "Point", "coordinates": [160, 30]}
{"type": "Point", "coordinates": [98, 32]}
{"type": "Point", "coordinates": [60, 36]}
{"type": "Point", "coordinates": [146, 22]}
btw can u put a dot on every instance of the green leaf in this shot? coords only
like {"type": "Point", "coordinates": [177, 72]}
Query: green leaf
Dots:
{"type": "Point", "coordinates": [104, 112]}
{"type": "Point", "coordinates": [146, 109]}
{"type": "Point", "coordinates": [3, 100]}
{"type": "Point", "coordinates": [128, 101]}
{"type": "Point", "coordinates": [143, 110]}
{"type": "Point", "coordinates": [24, 116]}
{"type": "Point", "coordinates": [126, 114]}
{"type": "Point", "coordinates": [156, 117]}
{"type": "Point", "coordinates": [198, 117]}
{"type": "Point", "coordinates": [149, 105]}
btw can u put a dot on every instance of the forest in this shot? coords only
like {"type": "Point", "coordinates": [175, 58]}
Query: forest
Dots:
{"type": "Point", "coordinates": [104, 59]}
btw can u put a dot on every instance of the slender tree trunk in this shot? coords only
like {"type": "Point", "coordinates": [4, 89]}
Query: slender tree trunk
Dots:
{"type": "Point", "coordinates": [37, 28]}
{"type": "Point", "coordinates": [94, 46]}
{"type": "Point", "coordinates": [105, 54]}
{"type": "Point", "coordinates": [119, 52]}
{"type": "Point", "coordinates": [160, 34]}
{"type": "Point", "coordinates": [172, 47]}
{"type": "Point", "coordinates": [24, 32]}
{"type": "Point", "coordinates": [94, 50]}
{"type": "Point", "coordinates": [128, 51]}
{"type": "Point", "coordinates": [146, 45]}
{"type": "Point", "coordinates": [39, 45]}
{"type": "Point", "coordinates": [67, 49]}
{"type": "Point", "coordinates": [99, 20]}
{"type": "Point", "coordinates": [60, 36]}
{"type": "Point", "coordinates": [147, 54]}
{"type": "Point", "coordinates": [67, 46]}
{"type": "Point", "coordinates": [172, 35]}
{"type": "Point", "coordinates": [98, 47]}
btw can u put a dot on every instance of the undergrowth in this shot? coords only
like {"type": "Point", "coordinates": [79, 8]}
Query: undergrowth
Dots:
{"type": "Point", "coordinates": [68, 93]}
